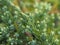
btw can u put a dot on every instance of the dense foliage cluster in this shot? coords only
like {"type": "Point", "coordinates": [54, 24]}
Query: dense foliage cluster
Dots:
{"type": "Point", "coordinates": [36, 28]}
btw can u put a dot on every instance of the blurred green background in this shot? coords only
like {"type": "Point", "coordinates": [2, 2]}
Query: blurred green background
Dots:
{"type": "Point", "coordinates": [29, 22]}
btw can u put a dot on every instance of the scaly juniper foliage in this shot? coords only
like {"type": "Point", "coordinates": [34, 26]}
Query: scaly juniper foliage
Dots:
{"type": "Point", "coordinates": [36, 28]}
